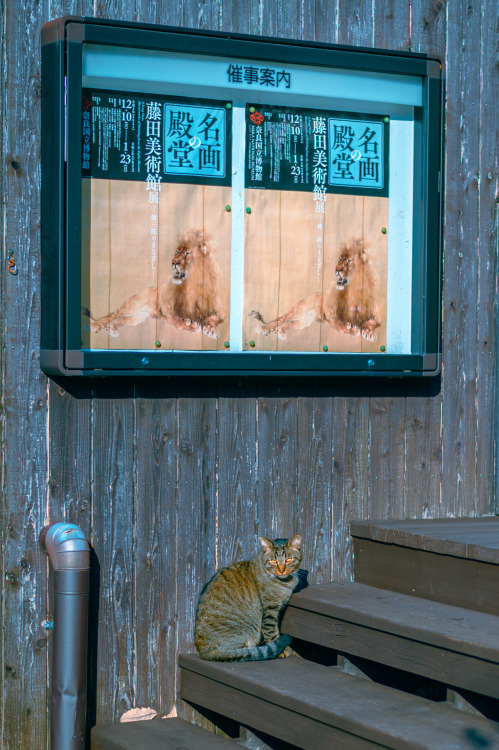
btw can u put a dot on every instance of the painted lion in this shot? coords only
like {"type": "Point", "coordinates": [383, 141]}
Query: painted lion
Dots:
{"type": "Point", "coordinates": [189, 300]}
{"type": "Point", "coordinates": [349, 304]}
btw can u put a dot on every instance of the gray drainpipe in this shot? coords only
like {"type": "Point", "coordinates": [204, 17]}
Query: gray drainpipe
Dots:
{"type": "Point", "coordinates": [69, 553]}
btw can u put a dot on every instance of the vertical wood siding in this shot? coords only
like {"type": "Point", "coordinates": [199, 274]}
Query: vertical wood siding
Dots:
{"type": "Point", "coordinates": [172, 479]}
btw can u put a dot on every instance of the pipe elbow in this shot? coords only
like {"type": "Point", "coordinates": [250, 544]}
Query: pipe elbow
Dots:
{"type": "Point", "coordinates": [66, 545]}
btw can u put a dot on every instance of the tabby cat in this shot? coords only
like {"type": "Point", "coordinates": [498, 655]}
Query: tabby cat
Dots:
{"type": "Point", "coordinates": [238, 610]}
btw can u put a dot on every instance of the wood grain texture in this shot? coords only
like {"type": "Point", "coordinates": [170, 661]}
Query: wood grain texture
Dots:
{"type": "Point", "coordinates": [461, 262]}
{"type": "Point", "coordinates": [237, 461]}
{"type": "Point", "coordinates": [268, 691]}
{"type": "Point", "coordinates": [156, 560]}
{"type": "Point", "coordinates": [487, 330]}
{"type": "Point", "coordinates": [172, 734]}
{"type": "Point", "coordinates": [24, 396]}
{"type": "Point", "coordinates": [314, 518]}
{"type": "Point", "coordinates": [416, 572]}
{"type": "Point", "coordinates": [114, 541]}
{"type": "Point", "coordinates": [238, 502]}
{"type": "Point", "coordinates": [196, 521]}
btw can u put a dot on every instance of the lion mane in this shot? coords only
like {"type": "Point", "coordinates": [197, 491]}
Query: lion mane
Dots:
{"type": "Point", "coordinates": [349, 304]}
{"type": "Point", "coordinates": [189, 300]}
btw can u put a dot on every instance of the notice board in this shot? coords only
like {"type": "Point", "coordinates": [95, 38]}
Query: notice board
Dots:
{"type": "Point", "coordinates": [245, 206]}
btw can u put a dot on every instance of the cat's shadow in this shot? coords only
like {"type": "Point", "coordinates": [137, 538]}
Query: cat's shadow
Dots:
{"type": "Point", "coordinates": [302, 580]}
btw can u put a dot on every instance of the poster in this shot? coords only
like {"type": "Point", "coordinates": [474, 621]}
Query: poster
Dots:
{"type": "Point", "coordinates": [157, 205]}
{"type": "Point", "coordinates": [316, 238]}
{"type": "Point", "coordinates": [156, 175]}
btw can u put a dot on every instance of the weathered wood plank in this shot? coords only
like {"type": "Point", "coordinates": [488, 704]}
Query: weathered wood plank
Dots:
{"type": "Point", "coordinates": [423, 410]}
{"type": "Point", "coordinates": [387, 458]}
{"type": "Point", "coordinates": [440, 625]}
{"type": "Point", "coordinates": [172, 734]}
{"type": "Point", "coordinates": [487, 265]}
{"type": "Point", "coordinates": [319, 21]}
{"type": "Point", "coordinates": [428, 26]}
{"type": "Point", "coordinates": [114, 542]}
{"type": "Point", "coordinates": [277, 463]}
{"type": "Point", "coordinates": [292, 699]}
{"type": "Point", "coordinates": [70, 470]}
{"type": "Point", "coordinates": [351, 490]}
{"type": "Point", "coordinates": [470, 538]}
{"type": "Point", "coordinates": [387, 409]}
{"type": "Point", "coordinates": [156, 561]}
{"type": "Point", "coordinates": [356, 23]}
{"type": "Point", "coordinates": [315, 500]}
{"type": "Point", "coordinates": [196, 521]}
{"type": "Point", "coordinates": [238, 500]}
{"type": "Point", "coordinates": [416, 572]}
{"type": "Point", "coordinates": [24, 394]}
{"type": "Point", "coordinates": [392, 24]}
{"type": "Point", "coordinates": [461, 263]}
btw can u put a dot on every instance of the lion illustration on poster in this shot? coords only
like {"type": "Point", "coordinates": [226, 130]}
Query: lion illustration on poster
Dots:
{"type": "Point", "coordinates": [348, 305]}
{"type": "Point", "coordinates": [189, 300]}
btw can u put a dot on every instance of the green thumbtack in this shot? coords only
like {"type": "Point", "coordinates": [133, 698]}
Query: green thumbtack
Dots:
{"type": "Point", "coordinates": [226, 344]}
{"type": "Point", "coordinates": [228, 105]}
{"type": "Point", "coordinates": [228, 208]}
{"type": "Point", "coordinates": [382, 348]}
{"type": "Point", "coordinates": [252, 343]}
{"type": "Point", "coordinates": [386, 119]}
{"type": "Point", "coordinates": [157, 343]}
{"type": "Point", "coordinates": [248, 210]}
{"type": "Point", "coordinates": [252, 109]}
{"type": "Point", "coordinates": [325, 348]}
{"type": "Point", "coordinates": [383, 230]}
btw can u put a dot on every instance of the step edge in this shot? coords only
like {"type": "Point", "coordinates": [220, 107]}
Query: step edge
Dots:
{"type": "Point", "coordinates": [418, 633]}
{"type": "Point", "coordinates": [352, 724]}
{"type": "Point", "coordinates": [145, 725]}
{"type": "Point", "coordinates": [385, 534]}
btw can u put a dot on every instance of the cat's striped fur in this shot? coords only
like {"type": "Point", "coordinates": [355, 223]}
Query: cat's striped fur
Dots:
{"type": "Point", "coordinates": [237, 618]}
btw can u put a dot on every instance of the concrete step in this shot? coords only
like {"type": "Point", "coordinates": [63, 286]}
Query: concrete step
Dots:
{"type": "Point", "coordinates": [316, 707]}
{"type": "Point", "coordinates": [158, 734]}
{"type": "Point", "coordinates": [454, 561]}
{"type": "Point", "coordinates": [452, 645]}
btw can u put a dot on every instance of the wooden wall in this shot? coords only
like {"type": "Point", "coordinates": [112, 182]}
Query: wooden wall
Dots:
{"type": "Point", "coordinates": [171, 479]}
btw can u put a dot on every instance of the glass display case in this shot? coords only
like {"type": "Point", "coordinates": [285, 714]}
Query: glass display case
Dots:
{"type": "Point", "coordinates": [217, 204]}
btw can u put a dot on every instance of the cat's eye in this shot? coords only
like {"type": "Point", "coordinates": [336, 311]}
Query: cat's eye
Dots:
{"type": "Point", "coordinates": [273, 562]}
{"type": "Point", "coordinates": [289, 559]}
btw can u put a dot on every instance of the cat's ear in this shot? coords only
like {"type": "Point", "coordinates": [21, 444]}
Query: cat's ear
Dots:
{"type": "Point", "coordinates": [295, 542]}
{"type": "Point", "coordinates": [267, 546]}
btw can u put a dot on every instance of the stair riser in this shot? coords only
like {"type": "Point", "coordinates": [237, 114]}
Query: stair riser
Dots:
{"type": "Point", "coordinates": [452, 580]}
{"type": "Point", "coordinates": [449, 667]}
{"type": "Point", "coordinates": [284, 724]}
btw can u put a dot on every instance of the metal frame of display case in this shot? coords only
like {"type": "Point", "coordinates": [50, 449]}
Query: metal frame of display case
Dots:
{"type": "Point", "coordinates": [61, 350]}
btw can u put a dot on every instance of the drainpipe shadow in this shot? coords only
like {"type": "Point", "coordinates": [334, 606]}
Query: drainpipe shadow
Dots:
{"type": "Point", "coordinates": [93, 644]}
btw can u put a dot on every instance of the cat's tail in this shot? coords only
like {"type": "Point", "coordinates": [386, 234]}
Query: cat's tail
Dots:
{"type": "Point", "coordinates": [251, 653]}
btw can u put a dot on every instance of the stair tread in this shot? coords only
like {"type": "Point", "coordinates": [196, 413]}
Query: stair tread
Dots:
{"type": "Point", "coordinates": [471, 538]}
{"type": "Point", "coordinates": [158, 734]}
{"type": "Point", "coordinates": [352, 704]}
{"type": "Point", "coordinates": [444, 625]}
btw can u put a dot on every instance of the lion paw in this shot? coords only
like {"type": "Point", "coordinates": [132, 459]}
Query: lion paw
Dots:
{"type": "Point", "coordinates": [262, 329]}
{"type": "Point", "coordinates": [369, 335]}
{"type": "Point", "coordinates": [211, 331]}
{"type": "Point", "coordinates": [112, 332]}
{"type": "Point", "coordinates": [192, 325]}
